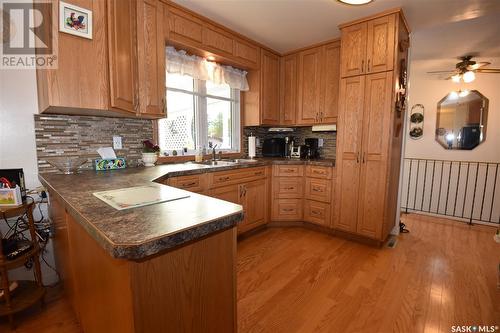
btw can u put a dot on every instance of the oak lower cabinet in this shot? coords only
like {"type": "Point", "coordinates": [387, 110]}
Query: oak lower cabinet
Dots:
{"type": "Point", "coordinates": [318, 196]}
{"type": "Point", "coordinates": [287, 193]}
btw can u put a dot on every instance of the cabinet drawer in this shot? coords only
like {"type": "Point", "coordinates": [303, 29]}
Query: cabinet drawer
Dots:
{"type": "Point", "coordinates": [288, 170]}
{"type": "Point", "coordinates": [288, 187]}
{"type": "Point", "coordinates": [287, 210]}
{"type": "Point", "coordinates": [317, 212]}
{"type": "Point", "coordinates": [317, 171]}
{"type": "Point", "coordinates": [223, 178]}
{"type": "Point", "coordinates": [318, 189]}
{"type": "Point", "coordinates": [194, 183]}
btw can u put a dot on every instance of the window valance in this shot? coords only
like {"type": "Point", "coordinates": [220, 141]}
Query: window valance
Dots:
{"type": "Point", "coordinates": [179, 62]}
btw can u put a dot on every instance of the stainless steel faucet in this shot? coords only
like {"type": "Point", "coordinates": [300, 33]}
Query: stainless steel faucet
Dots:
{"type": "Point", "coordinates": [213, 151]}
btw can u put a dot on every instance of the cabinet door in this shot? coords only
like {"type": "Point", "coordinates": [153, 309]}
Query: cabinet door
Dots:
{"type": "Point", "coordinates": [376, 138]}
{"type": "Point", "coordinates": [270, 89]}
{"type": "Point", "coordinates": [309, 87]}
{"type": "Point", "coordinates": [254, 204]}
{"type": "Point", "coordinates": [151, 58]}
{"type": "Point", "coordinates": [380, 44]}
{"type": "Point", "coordinates": [229, 193]}
{"type": "Point", "coordinates": [330, 83]}
{"type": "Point", "coordinates": [288, 89]}
{"type": "Point", "coordinates": [122, 55]}
{"type": "Point", "coordinates": [353, 50]}
{"type": "Point", "coordinates": [349, 150]}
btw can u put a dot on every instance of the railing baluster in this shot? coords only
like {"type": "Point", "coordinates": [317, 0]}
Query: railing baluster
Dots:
{"type": "Point", "coordinates": [466, 188]}
{"type": "Point", "coordinates": [484, 191]}
{"type": "Point", "coordinates": [448, 191]}
{"type": "Point", "coordinates": [440, 185]}
{"type": "Point", "coordinates": [409, 180]}
{"type": "Point", "coordinates": [416, 185]}
{"type": "Point", "coordinates": [458, 185]}
{"type": "Point", "coordinates": [423, 190]}
{"type": "Point", "coordinates": [432, 184]}
{"type": "Point", "coordinates": [474, 195]}
{"type": "Point", "coordinates": [493, 195]}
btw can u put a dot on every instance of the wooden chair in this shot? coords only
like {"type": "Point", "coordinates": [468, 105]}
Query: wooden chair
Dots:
{"type": "Point", "coordinates": [28, 292]}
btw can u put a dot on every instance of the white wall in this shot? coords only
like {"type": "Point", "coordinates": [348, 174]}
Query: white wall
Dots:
{"type": "Point", "coordinates": [18, 103]}
{"type": "Point", "coordinates": [428, 90]}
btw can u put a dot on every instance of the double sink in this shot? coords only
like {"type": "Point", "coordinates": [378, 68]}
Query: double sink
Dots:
{"type": "Point", "coordinates": [226, 162]}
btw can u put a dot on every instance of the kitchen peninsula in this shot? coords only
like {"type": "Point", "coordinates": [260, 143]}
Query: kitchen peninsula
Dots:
{"type": "Point", "coordinates": [163, 267]}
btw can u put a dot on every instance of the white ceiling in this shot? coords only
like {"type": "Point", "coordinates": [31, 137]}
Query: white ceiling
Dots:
{"type": "Point", "coordinates": [441, 28]}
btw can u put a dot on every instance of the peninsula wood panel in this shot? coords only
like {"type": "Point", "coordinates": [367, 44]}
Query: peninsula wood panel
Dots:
{"type": "Point", "coordinates": [330, 82]}
{"type": "Point", "coordinates": [151, 58]}
{"type": "Point", "coordinates": [309, 86]}
{"type": "Point", "coordinates": [377, 106]}
{"type": "Point", "coordinates": [380, 44]}
{"type": "Point", "coordinates": [189, 289]}
{"type": "Point", "coordinates": [349, 141]}
{"type": "Point", "coordinates": [270, 69]}
{"type": "Point", "coordinates": [123, 71]}
{"type": "Point", "coordinates": [288, 89]}
{"type": "Point", "coordinates": [81, 80]}
{"type": "Point", "coordinates": [353, 50]}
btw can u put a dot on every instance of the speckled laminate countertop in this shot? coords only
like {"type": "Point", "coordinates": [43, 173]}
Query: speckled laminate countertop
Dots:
{"type": "Point", "coordinates": [140, 232]}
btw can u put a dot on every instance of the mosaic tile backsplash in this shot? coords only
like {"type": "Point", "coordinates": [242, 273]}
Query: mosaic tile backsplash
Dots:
{"type": "Point", "coordinates": [62, 135]}
{"type": "Point", "coordinates": [300, 134]}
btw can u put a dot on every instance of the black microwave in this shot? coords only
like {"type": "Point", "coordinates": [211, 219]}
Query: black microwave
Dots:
{"type": "Point", "coordinates": [273, 147]}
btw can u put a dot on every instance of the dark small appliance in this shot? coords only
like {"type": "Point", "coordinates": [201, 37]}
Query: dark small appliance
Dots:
{"type": "Point", "coordinates": [311, 149]}
{"type": "Point", "coordinates": [273, 147]}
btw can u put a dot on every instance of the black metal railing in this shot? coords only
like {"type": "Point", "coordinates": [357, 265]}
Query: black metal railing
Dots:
{"type": "Point", "coordinates": [460, 189]}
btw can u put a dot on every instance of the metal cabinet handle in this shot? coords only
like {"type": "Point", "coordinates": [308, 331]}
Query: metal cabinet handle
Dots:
{"type": "Point", "coordinates": [288, 209]}
{"type": "Point", "coordinates": [223, 178]}
{"type": "Point", "coordinates": [368, 66]}
{"type": "Point", "coordinates": [316, 189]}
{"type": "Point", "coordinates": [357, 157]}
{"type": "Point", "coordinates": [315, 212]}
{"type": "Point", "coordinates": [290, 188]}
{"type": "Point", "coordinates": [258, 173]}
{"type": "Point", "coordinates": [364, 157]}
{"type": "Point", "coordinates": [362, 66]}
{"type": "Point", "coordinates": [188, 184]}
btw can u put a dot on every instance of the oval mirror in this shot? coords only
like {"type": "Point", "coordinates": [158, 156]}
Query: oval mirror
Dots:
{"type": "Point", "coordinates": [461, 120]}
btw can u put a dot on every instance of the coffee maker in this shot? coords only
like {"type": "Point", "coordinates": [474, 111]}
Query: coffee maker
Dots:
{"type": "Point", "coordinates": [311, 149]}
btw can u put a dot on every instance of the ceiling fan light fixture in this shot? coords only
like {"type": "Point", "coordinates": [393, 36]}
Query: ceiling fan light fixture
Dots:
{"type": "Point", "coordinates": [456, 78]}
{"type": "Point", "coordinates": [469, 76]}
{"type": "Point", "coordinates": [355, 2]}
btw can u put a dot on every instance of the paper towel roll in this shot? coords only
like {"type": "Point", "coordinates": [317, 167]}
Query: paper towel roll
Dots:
{"type": "Point", "coordinates": [251, 146]}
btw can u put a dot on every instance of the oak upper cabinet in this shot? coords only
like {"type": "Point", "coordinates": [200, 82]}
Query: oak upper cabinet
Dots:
{"type": "Point", "coordinates": [288, 89]}
{"type": "Point", "coordinates": [270, 97]}
{"type": "Point", "coordinates": [318, 86]}
{"type": "Point", "coordinates": [123, 71]}
{"type": "Point", "coordinates": [309, 94]}
{"type": "Point", "coordinates": [368, 47]}
{"type": "Point", "coordinates": [151, 58]}
{"type": "Point", "coordinates": [330, 83]}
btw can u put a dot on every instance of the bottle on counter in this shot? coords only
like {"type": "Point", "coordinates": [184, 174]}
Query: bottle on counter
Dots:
{"type": "Point", "coordinates": [198, 157]}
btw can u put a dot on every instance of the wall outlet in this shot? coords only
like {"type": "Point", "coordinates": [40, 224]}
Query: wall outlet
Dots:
{"type": "Point", "coordinates": [117, 142]}
{"type": "Point", "coordinates": [321, 142]}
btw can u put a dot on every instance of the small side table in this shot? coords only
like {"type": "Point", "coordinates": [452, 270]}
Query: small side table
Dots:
{"type": "Point", "coordinates": [28, 292]}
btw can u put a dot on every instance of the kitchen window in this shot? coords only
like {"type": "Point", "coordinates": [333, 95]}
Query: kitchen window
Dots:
{"type": "Point", "coordinates": [200, 113]}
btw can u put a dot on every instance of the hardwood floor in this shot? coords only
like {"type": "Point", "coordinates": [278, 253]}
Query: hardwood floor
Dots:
{"type": "Point", "coordinates": [442, 273]}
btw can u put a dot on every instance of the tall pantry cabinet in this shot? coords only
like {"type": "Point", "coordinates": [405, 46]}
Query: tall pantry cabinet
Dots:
{"type": "Point", "coordinates": [373, 77]}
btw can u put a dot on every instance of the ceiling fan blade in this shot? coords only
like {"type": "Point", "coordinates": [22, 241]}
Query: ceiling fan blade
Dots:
{"type": "Point", "coordinates": [478, 65]}
{"type": "Point", "coordinates": [488, 70]}
{"type": "Point", "coordinates": [441, 72]}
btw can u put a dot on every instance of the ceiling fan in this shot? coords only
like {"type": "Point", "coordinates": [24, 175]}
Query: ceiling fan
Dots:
{"type": "Point", "coordinates": [466, 70]}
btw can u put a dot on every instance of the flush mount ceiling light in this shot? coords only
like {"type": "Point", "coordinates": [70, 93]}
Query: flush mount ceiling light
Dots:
{"type": "Point", "coordinates": [355, 2]}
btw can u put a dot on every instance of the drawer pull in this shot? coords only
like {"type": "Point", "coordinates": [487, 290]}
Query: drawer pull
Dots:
{"type": "Point", "coordinates": [188, 184]}
{"type": "Point", "coordinates": [288, 209]}
{"type": "Point", "coordinates": [319, 172]}
{"type": "Point", "coordinates": [288, 170]}
{"type": "Point", "coordinates": [259, 173]}
{"type": "Point", "coordinates": [315, 212]}
{"type": "Point", "coordinates": [222, 179]}
{"type": "Point", "coordinates": [317, 189]}
{"type": "Point", "coordinates": [290, 188]}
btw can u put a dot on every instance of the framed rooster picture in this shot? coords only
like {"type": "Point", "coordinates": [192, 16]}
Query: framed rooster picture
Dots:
{"type": "Point", "coordinates": [75, 20]}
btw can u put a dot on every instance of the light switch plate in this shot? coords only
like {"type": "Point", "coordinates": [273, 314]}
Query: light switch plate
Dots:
{"type": "Point", "coordinates": [117, 142]}
{"type": "Point", "coordinates": [320, 142]}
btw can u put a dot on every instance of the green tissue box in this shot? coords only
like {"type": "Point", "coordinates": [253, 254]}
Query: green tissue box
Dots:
{"type": "Point", "coordinates": [110, 164]}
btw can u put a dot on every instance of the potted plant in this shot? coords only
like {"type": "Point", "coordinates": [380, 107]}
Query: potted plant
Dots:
{"type": "Point", "coordinates": [149, 152]}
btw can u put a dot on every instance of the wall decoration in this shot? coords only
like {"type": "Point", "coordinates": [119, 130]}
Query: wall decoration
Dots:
{"type": "Point", "coordinates": [75, 20]}
{"type": "Point", "coordinates": [417, 121]}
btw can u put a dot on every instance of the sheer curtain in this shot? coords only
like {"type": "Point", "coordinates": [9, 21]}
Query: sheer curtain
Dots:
{"type": "Point", "coordinates": [179, 62]}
